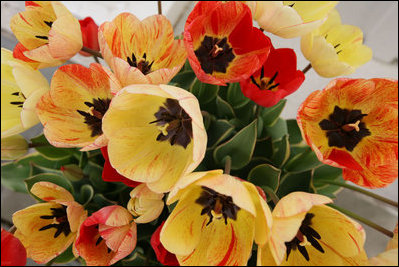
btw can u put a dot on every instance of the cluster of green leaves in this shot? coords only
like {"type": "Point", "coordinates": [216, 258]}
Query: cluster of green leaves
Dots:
{"type": "Point", "coordinates": [264, 148]}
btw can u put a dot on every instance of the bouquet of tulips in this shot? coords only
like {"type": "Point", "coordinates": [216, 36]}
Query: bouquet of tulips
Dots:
{"type": "Point", "coordinates": [170, 149]}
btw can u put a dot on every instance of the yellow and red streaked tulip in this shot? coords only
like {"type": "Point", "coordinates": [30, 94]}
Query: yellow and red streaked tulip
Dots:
{"type": "Point", "coordinates": [13, 147]}
{"type": "Point", "coordinates": [306, 232]}
{"type": "Point", "coordinates": [47, 32]}
{"type": "Point", "coordinates": [335, 49]}
{"type": "Point", "coordinates": [390, 256]}
{"type": "Point", "coordinates": [155, 134]}
{"type": "Point", "coordinates": [13, 252]}
{"type": "Point", "coordinates": [48, 229]}
{"type": "Point", "coordinates": [72, 111]}
{"type": "Point", "coordinates": [353, 124]}
{"type": "Point", "coordinates": [107, 236]}
{"type": "Point", "coordinates": [141, 52]}
{"type": "Point", "coordinates": [216, 220]}
{"type": "Point", "coordinates": [163, 256]}
{"type": "Point", "coordinates": [222, 45]}
{"type": "Point", "coordinates": [21, 88]}
{"type": "Point", "coordinates": [289, 19]}
{"type": "Point", "coordinates": [277, 78]}
{"type": "Point", "coordinates": [144, 204]}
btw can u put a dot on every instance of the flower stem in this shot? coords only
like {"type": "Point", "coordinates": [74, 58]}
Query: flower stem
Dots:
{"type": "Point", "coordinates": [92, 52]}
{"type": "Point", "coordinates": [96, 59]}
{"type": "Point", "coordinates": [360, 190]}
{"type": "Point", "coordinates": [308, 67]}
{"type": "Point", "coordinates": [257, 111]}
{"type": "Point", "coordinates": [12, 229]}
{"type": "Point", "coordinates": [363, 220]}
{"type": "Point", "coordinates": [227, 165]}
{"type": "Point", "coordinates": [271, 194]}
{"type": "Point", "coordinates": [160, 7]}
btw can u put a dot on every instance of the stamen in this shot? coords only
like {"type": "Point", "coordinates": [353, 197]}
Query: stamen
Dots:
{"type": "Point", "coordinates": [41, 37]}
{"type": "Point", "coordinates": [16, 103]}
{"type": "Point", "coordinates": [49, 23]}
{"type": "Point", "coordinates": [351, 126]}
{"type": "Point", "coordinates": [337, 45]}
{"type": "Point", "coordinates": [15, 93]}
{"type": "Point", "coordinates": [254, 81]}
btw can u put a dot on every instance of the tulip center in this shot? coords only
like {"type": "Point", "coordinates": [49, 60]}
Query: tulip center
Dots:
{"type": "Point", "coordinates": [266, 83]}
{"type": "Point", "coordinates": [174, 124]}
{"type": "Point", "coordinates": [45, 37]}
{"type": "Point", "coordinates": [100, 239]}
{"type": "Point", "coordinates": [306, 236]}
{"type": "Point", "coordinates": [345, 128]}
{"type": "Point", "coordinates": [20, 99]}
{"type": "Point", "coordinates": [214, 54]}
{"type": "Point", "coordinates": [59, 221]}
{"type": "Point", "coordinates": [217, 205]}
{"type": "Point", "coordinates": [94, 114]}
{"type": "Point", "coordinates": [142, 64]}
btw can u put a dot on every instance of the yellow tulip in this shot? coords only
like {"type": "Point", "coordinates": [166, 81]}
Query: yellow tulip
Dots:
{"type": "Point", "coordinates": [216, 220]}
{"type": "Point", "coordinates": [155, 134]}
{"type": "Point", "coordinates": [48, 229]}
{"type": "Point", "coordinates": [144, 204]}
{"type": "Point", "coordinates": [21, 88]}
{"type": "Point", "coordinates": [307, 232]}
{"type": "Point", "coordinates": [13, 147]}
{"type": "Point", "coordinates": [48, 34]}
{"type": "Point", "coordinates": [141, 51]}
{"type": "Point", "coordinates": [289, 19]}
{"type": "Point", "coordinates": [390, 256]}
{"type": "Point", "coordinates": [335, 49]}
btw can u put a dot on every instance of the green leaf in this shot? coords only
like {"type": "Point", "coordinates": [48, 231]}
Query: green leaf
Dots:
{"type": "Point", "coordinates": [72, 172]}
{"type": "Point", "coordinates": [99, 201]}
{"type": "Point", "coordinates": [86, 194]}
{"type": "Point", "coordinates": [294, 132]}
{"type": "Point", "coordinates": [49, 151]}
{"type": "Point", "coordinates": [240, 147]}
{"type": "Point", "coordinates": [224, 110]}
{"type": "Point", "coordinates": [270, 115]}
{"type": "Point", "coordinates": [218, 131]}
{"type": "Point", "coordinates": [303, 162]}
{"type": "Point", "coordinates": [265, 175]}
{"type": "Point", "coordinates": [278, 130]}
{"type": "Point", "coordinates": [235, 97]}
{"type": "Point", "coordinates": [245, 113]}
{"type": "Point", "coordinates": [184, 79]}
{"type": "Point", "coordinates": [326, 172]}
{"type": "Point", "coordinates": [264, 148]}
{"type": "Point", "coordinates": [48, 177]}
{"type": "Point", "coordinates": [13, 176]}
{"type": "Point", "coordinates": [83, 159]}
{"type": "Point", "coordinates": [292, 182]}
{"type": "Point", "coordinates": [37, 169]}
{"type": "Point", "coordinates": [94, 172]}
{"type": "Point", "coordinates": [260, 127]}
{"type": "Point", "coordinates": [38, 159]}
{"type": "Point", "coordinates": [172, 206]}
{"type": "Point", "coordinates": [204, 92]}
{"type": "Point", "coordinates": [282, 152]}
{"type": "Point", "coordinates": [65, 257]}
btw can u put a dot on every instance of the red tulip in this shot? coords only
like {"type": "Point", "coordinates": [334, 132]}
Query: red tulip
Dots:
{"type": "Point", "coordinates": [13, 252]}
{"type": "Point", "coordinates": [111, 175]}
{"type": "Point", "coordinates": [163, 256]}
{"type": "Point", "coordinates": [89, 35]}
{"type": "Point", "coordinates": [277, 78]}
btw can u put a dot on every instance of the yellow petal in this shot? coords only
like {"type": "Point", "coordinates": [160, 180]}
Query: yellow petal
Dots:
{"type": "Point", "coordinates": [393, 243]}
{"type": "Point", "coordinates": [51, 192]}
{"type": "Point", "coordinates": [386, 258]}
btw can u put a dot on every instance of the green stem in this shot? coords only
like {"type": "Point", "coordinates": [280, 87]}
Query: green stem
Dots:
{"type": "Point", "coordinates": [227, 165]}
{"type": "Point", "coordinates": [271, 194]}
{"type": "Point", "coordinates": [92, 52]}
{"type": "Point", "coordinates": [96, 59]}
{"type": "Point", "coordinates": [360, 190]}
{"type": "Point", "coordinates": [308, 67]}
{"type": "Point", "coordinates": [160, 7]}
{"type": "Point", "coordinates": [363, 220]}
{"type": "Point", "coordinates": [257, 111]}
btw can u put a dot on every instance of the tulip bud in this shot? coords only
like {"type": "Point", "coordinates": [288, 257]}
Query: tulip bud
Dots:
{"type": "Point", "coordinates": [13, 147]}
{"type": "Point", "coordinates": [144, 204]}
{"type": "Point", "coordinates": [72, 172]}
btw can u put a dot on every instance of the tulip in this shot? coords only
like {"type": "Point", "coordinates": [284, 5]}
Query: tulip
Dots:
{"type": "Point", "coordinates": [13, 252]}
{"type": "Point", "coordinates": [352, 124]}
{"type": "Point", "coordinates": [335, 49]}
{"type": "Point", "coordinates": [72, 111]}
{"type": "Point", "coordinates": [216, 220]}
{"type": "Point", "coordinates": [141, 52]}
{"type": "Point", "coordinates": [163, 256]}
{"type": "Point", "coordinates": [390, 256]}
{"type": "Point", "coordinates": [144, 204]}
{"type": "Point", "coordinates": [48, 34]}
{"type": "Point", "coordinates": [21, 88]}
{"type": "Point", "coordinates": [289, 19]}
{"type": "Point", "coordinates": [306, 232]}
{"type": "Point", "coordinates": [277, 78]}
{"type": "Point", "coordinates": [155, 134]}
{"type": "Point", "coordinates": [89, 35]}
{"type": "Point", "coordinates": [107, 236]}
{"type": "Point", "coordinates": [222, 49]}
{"type": "Point", "coordinates": [48, 229]}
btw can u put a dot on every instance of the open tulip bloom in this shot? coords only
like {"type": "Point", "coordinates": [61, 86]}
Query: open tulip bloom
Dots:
{"type": "Point", "coordinates": [171, 149]}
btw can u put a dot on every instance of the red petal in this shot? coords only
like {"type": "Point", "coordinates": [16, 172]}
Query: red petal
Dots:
{"type": "Point", "coordinates": [18, 53]}
{"type": "Point", "coordinates": [13, 252]}
{"type": "Point", "coordinates": [111, 175]}
{"type": "Point", "coordinates": [163, 256]}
